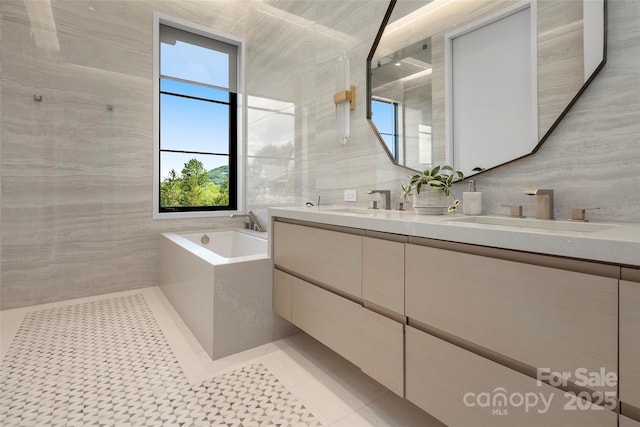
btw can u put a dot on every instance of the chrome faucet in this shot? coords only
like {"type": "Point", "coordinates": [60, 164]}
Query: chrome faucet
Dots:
{"type": "Point", "coordinates": [544, 202]}
{"type": "Point", "coordinates": [387, 197]}
{"type": "Point", "coordinates": [253, 223]}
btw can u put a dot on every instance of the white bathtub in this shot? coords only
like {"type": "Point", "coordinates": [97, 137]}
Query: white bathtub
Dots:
{"type": "Point", "coordinates": [234, 245]}
{"type": "Point", "coordinates": [222, 289]}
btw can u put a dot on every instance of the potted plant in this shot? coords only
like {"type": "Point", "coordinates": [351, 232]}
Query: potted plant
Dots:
{"type": "Point", "coordinates": [437, 184]}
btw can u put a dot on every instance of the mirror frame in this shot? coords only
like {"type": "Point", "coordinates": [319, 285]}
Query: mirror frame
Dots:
{"type": "Point", "coordinates": [555, 124]}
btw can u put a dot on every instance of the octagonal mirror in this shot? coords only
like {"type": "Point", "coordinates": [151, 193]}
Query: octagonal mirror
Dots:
{"type": "Point", "coordinates": [477, 84]}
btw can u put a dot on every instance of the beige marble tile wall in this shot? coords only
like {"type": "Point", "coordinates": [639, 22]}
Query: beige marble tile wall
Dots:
{"type": "Point", "coordinates": [77, 178]}
{"type": "Point", "coordinates": [592, 158]}
{"type": "Point", "coordinates": [76, 200]}
{"type": "Point", "coordinates": [560, 68]}
{"type": "Point", "coordinates": [1, 125]}
{"type": "Point", "coordinates": [323, 167]}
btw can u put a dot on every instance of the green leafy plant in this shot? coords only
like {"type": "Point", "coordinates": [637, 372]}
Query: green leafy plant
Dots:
{"type": "Point", "coordinates": [195, 186]}
{"type": "Point", "coordinates": [439, 178]}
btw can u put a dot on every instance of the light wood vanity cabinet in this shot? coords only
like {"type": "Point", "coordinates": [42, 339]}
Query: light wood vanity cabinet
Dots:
{"type": "Point", "coordinates": [383, 273]}
{"type": "Point", "coordinates": [367, 339]}
{"type": "Point", "coordinates": [329, 257]}
{"type": "Point", "coordinates": [329, 318]}
{"type": "Point", "coordinates": [630, 343]}
{"type": "Point", "coordinates": [628, 422]}
{"type": "Point", "coordinates": [383, 350]}
{"type": "Point", "coordinates": [321, 262]}
{"type": "Point", "coordinates": [542, 317]}
{"type": "Point", "coordinates": [448, 382]}
{"type": "Point", "coordinates": [282, 284]}
{"type": "Point", "coordinates": [435, 322]}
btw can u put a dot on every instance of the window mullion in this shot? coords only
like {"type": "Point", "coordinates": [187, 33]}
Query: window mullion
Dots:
{"type": "Point", "coordinates": [215, 101]}
{"type": "Point", "coordinates": [192, 82]}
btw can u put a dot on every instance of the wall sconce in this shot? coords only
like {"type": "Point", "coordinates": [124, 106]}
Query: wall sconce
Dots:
{"type": "Point", "coordinates": [345, 99]}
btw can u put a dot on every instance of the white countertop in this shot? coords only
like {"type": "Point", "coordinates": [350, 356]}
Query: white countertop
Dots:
{"type": "Point", "coordinates": [617, 243]}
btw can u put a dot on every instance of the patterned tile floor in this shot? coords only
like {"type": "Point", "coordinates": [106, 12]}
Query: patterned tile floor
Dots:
{"type": "Point", "coordinates": [127, 359]}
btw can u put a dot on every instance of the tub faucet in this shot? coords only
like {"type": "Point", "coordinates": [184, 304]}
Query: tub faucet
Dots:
{"type": "Point", "coordinates": [544, 202]}
{"type": "Point", "coordinates": [253, 223]}
{"type": "Point", "coordinates": [387, 197]}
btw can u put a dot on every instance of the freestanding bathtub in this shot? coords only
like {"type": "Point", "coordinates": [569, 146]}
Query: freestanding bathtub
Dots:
{"type": "Point", "coordinates": [221, 284]}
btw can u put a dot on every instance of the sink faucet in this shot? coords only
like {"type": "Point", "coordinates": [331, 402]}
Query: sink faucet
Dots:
{"type": "Point", "coordinates": [387, 197]}
{"type": "Point", "coordinates": [544, 202]}
{"type": "Point", "coordinates": [253, 224]}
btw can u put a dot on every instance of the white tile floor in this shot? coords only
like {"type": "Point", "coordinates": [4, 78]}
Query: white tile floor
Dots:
{"type": "Point", "coordinates": [331, 388]}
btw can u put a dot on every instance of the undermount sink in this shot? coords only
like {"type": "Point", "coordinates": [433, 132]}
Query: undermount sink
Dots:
{"type": "Point", "coordinates": [532, 223]}
{"type": "Point", "coordinates": [378, 213]}
{"type": "Point", "coordinates": [356, 211]}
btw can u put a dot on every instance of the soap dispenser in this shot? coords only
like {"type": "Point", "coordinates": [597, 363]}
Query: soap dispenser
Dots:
{"type": "Point", "coordinates": [472, 200]}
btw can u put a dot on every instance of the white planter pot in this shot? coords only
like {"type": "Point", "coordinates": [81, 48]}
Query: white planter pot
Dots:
{"type": "Point", "coordinates": [430, 201]}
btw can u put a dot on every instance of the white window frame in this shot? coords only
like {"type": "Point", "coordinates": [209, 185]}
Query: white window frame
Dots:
{"type": "Point", "coordinates": [160, 18]}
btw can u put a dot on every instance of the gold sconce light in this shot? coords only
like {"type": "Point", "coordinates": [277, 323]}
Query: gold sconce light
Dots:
{"type": "Point", "coordinates": [345, 93]}
{"type": "Point", "coordinates": [346, 96]}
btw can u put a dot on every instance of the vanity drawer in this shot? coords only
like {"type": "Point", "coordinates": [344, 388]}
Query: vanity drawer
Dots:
{"type": "Point", "coordinates": [369, 340]}
{"type": "Point", "coordinates": [630, 343]}
{"type": "Point", "coordinates": [328, 257]}
{"type": "Point", "coordinates": [282, 284]}
{"type": "Point", "coordinates": [540, 316]}
{"type": "Point", "coordinates": [383, 350]}
{"type": "Point", "coordinates": [447, 381]}
{"type": "Point", "coordinates": [331, 319]}
{"type": "Point", "coordinates": [383, 273]}
{"type": "Point", "coordinates": [628, 422]}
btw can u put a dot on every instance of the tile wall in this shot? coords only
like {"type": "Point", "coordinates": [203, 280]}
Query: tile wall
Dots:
{"type": "Point", "coordinates": [76, 210]}
{"type": "Point", "coordinates": [592, 158]}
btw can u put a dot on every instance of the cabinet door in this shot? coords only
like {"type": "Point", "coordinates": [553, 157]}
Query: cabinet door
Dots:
{"type": "Point", "coordinates": [463, 389]}
{"type": "Point", "coordinates": [383, 350]}
{"type": "Point", "coordinates": [282, 284]}
{"type": "Point", "coordinates": [329, 318]}
{"type": "Point", "coordinates": [383, 273]}
{"type": "Point", "coordinates": [544, 317]}
{"type": "Point", "coordinates": [628, 422]}
{"type": "Point", "coordinates": [630, 343]}
{"type": "Point", "coordinates": [328, 257]}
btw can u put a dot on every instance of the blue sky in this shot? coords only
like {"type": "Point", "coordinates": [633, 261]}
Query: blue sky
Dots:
{"type": "Point", "coordinates": [383, 117]}
{"type": "Point", "coordinates": [189, 124]}
{"type": "Point", "coordinates": [195, 63]}
{"type": "Point", "coordinates": [195, 125]}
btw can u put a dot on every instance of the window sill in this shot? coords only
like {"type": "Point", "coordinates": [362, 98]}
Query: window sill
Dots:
{"type": "Point", "coordinates": [195, 214]}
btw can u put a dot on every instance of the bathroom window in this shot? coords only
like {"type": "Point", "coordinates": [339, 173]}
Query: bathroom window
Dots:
{"type": "Point", "coordinates": [198, 137]}
{"type": "Point", "coordinates": [385, 117]}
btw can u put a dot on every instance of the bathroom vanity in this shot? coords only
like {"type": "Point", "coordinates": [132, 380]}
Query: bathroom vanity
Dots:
{"type": "Point", "coordinates": [475, 323]}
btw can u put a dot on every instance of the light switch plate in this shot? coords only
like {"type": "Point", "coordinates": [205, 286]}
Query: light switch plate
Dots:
{"type": "Point", "coordinates": [349, 195]}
